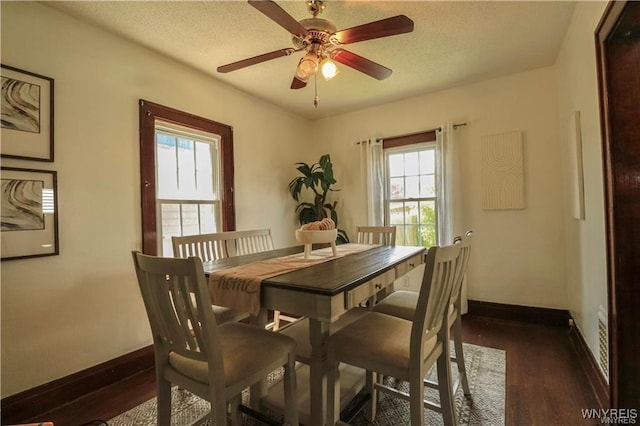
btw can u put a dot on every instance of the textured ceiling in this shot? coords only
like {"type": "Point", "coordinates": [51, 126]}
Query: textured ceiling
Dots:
{"type": "Point", "coordinates": [453, 43]}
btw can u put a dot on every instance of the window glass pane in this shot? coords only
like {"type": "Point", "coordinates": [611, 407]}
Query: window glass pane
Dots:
{"type": "Point", "coordinates": [396, 165]}
{"type": "Point", "coordinates": [204, 171]}
{"type": "Point", "coordinates": [411, 212]}
{"type": "Point", "coordinates": [428, 186]}
{"type": "Point", "coordinates": [190, 219]}
{"type": "Point", "coordinates": [186, 169]}
{"type": "Point", "coordinates": [207, 219]}
{"type": "Point", "coordinates": [428, 212]}
{"type": "Point", "coordinates": [427, 235]}
{"type": "Point", "coordinates": [412, 189]}
{"type": "Point", "coordinates": [170, 225]}
{"type": "Point", "coordinates": [170, 219]}
{"type": "Point", "coordinates": [396, 213]}
{"type": "Point", "coordinates": [427, 162]}
{"type": "Point", "coordinates": [396, 186]}
{"type": "Point", "coordinates": [166, 166]}
{"type": "Point", "coordinates": [411, 235]}
{"type": "Point", "coordinates": [411, 165]}
{"type": "Point", "coordinates": [400, 239]}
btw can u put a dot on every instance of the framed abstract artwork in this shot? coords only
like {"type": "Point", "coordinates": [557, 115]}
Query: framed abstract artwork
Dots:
{"type": "Point", "coordinates": [27, 115]}
{"type": "Point", "coordinates": [29, 213]}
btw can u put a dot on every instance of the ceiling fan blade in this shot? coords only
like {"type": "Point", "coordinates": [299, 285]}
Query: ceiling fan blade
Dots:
{"type": "Point", "coordinates": [255, 60]}
{"type": "Point", "coordinates": [361, 64]}
{"type": "Point", "coordinates": [297, 83]}
{"type": "Point", "coordinates": [384, 28]}
{"type": "Point", "coordinates": [279, 16]}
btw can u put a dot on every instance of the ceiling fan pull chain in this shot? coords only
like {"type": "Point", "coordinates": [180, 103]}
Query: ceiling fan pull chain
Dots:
{"type": "Point", "coordinates": [315, 83]}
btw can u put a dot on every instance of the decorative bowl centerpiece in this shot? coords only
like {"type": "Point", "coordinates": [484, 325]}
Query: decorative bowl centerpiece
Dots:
{"type": "Point", "coordinates": [320, 232]}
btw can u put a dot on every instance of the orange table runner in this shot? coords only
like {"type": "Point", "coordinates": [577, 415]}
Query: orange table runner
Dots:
{"type": "Point", "coordinates": [239, 287]}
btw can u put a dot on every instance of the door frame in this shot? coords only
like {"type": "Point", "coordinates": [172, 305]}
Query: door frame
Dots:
{"type": "Point", "coordinates": [620, 128]}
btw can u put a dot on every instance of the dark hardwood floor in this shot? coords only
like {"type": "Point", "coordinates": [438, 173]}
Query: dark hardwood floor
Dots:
{"type": "Point", "coordinates": [544, 384]}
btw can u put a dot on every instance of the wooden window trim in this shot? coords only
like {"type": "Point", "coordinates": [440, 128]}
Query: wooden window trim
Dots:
{"type": "Point", "coordinates": [414, 138]}
{"type": "Point", "coordinates": [149, 112]}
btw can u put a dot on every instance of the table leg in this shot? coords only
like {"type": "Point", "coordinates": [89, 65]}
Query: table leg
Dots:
{"type": "Point", "coordinates": [318, 334]}
{"type": "Point", "coordinates": [260, 389]}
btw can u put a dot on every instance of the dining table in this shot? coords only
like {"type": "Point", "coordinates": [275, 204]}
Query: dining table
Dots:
{"type": "Point", "coordinates": [321, 292]}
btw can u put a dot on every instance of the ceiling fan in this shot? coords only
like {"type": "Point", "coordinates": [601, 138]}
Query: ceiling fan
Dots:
{"type": "Point", "coordinates": [322, 43]}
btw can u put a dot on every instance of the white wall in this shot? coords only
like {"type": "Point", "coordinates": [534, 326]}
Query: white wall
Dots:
{"type": "Point", "coordinates": [518, 255]}
{"type": "Point", "coordinates": [578, 91]}
{"type": "Point", "coordinates": [65, 313]}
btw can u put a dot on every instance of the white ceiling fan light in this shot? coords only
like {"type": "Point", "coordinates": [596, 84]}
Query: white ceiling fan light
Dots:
{"type": "Point", "coordinates": [307, 66]}
{"type": "Point", "coordinates": [328, 69]}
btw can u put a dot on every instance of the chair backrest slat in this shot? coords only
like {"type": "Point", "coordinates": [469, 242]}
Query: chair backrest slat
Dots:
{"type": "Point", "coordinates": [383, 235]}
{"type": "Point", "coordinates": [464, 243]}
{"type": "Point", "coordinates": [441, 268]}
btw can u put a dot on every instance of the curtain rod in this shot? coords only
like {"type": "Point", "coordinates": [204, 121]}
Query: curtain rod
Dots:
{"type": "Point", "coordinates": [437, 129]}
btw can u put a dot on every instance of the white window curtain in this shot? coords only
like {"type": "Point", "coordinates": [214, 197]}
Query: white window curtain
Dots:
{"type": "Point", "coordinates": [372, 178]}
{"type": "Point", "coordinates": [449, 192]}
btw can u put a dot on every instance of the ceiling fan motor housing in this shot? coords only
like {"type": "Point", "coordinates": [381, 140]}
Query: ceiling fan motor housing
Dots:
{"type": "Point", "coordinates": [320, 32]}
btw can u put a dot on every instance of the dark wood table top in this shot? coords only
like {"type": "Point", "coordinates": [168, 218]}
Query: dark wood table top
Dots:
{"type": "Point", "coordinates": [327, 278]}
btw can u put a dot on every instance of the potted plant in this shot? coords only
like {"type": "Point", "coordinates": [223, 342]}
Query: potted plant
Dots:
{"type": "Point", "coordinates": [319, 179]}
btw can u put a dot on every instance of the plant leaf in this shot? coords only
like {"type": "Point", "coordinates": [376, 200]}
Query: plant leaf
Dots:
{"type": "Point", "coordinates": [295, 187]}
{"type": "Point", "coordinates": [304, 169]}
{"type": "Point", "coordinates": [342, 238]}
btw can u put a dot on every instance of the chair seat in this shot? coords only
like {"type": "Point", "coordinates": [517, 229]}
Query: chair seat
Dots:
{"type": "Point", "coordinates": [224, 314]}
{"type": "Point", "coordinates": [378, 342]}
{"type": "Point", "coordinates": [245, 351]}
{"type": "Point", "coordinates": [402, 304]}
{"type": "Point", "coordinates": [299, 331]}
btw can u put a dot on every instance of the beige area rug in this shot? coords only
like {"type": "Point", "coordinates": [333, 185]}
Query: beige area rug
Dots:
{"type": "Point", "coordinates": [485, 370]}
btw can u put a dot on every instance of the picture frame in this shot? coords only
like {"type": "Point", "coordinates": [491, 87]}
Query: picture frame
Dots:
{"type": "Point", "coordinates": [27, 115]}
{"type": "Point", "coordinates": [29, 213]}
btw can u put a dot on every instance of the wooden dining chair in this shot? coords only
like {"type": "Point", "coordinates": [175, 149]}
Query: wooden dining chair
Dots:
{"type": "Point", "coordinates": [221, 245]}
{"type": "Point", "coordinates": [249, 242]}
{"type": "Point", "coordinates": [391, 346]}
{"type": "Point", "coordinates": [383, 235]}
{"type": "Point", "coordinates": [215, 362]}
{"type": "Point", "coordinates": [207, 247]}
{"type": "Point", "coordinates": [403, 304]}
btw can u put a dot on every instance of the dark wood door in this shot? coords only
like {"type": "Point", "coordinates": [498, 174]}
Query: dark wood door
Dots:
{"type": "Point", "coordinates": [618, 47]}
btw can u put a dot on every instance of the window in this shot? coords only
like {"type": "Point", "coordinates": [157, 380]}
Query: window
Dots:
{"type": "Point", "coordinates": [411, 203]}
{"type": "Point", "coordinates": [186, 174]}
{"type": "Point", "coordinates": [188, 197]}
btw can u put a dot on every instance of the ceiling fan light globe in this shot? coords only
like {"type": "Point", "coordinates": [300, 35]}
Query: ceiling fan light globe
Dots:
{"type": "Point", "coordinates": [307, 67]}
{"type": "Point", "coordinates": [302, 78]}
{"type": "Point", "coordinates": [329, 69]}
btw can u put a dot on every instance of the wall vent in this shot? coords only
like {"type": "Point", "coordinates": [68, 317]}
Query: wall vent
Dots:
{"type": "Point", "coordinates": [603, 342]}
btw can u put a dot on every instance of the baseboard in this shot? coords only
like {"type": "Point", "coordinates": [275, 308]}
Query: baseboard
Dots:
{"type": "Point", "coordinates": [589, 365]}
{"type": "Point", "coordinates": [527, 314]}
{"type": "Point", "coordinates": [28, 404]}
